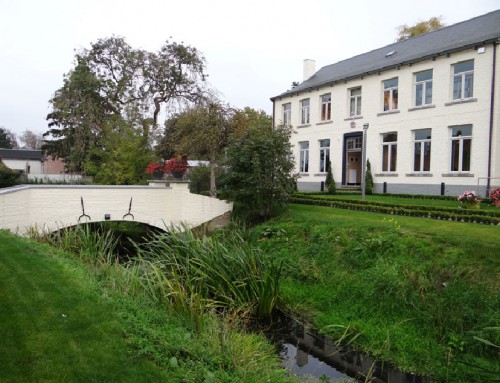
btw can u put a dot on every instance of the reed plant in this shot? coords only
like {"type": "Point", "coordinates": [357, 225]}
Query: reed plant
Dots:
{"type": "Point", "coordinates": [221, 272]}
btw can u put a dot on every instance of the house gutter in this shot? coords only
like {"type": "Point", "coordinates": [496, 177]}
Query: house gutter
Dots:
{"type": "Point", "coordinates": [273, 113]}
{"type": "Point", "coordinates": [492, 114]}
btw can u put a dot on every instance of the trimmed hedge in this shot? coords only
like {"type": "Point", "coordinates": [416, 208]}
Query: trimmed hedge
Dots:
{"type": "Point", "coordinates": [472, 216]}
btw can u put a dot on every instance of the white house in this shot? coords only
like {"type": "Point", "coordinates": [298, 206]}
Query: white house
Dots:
{"type": "Point", "coordinates": [26, 161]}
{"type": "Point", "coordinates": [431, 104]}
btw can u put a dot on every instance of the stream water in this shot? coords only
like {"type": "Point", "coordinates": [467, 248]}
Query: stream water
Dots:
{"type": "Point", "coordinates": [305, 352]}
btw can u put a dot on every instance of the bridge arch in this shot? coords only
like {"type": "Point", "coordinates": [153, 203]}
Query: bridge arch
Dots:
{"type": "Point", "coordinates": [47, 208]}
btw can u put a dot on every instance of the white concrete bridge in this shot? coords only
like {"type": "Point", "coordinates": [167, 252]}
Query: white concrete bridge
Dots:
{"type": "Point", "coordinates": [51, 207]}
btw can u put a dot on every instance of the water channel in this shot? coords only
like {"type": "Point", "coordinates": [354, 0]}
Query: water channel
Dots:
{"type": "Point", "coordinates": [305, 352]}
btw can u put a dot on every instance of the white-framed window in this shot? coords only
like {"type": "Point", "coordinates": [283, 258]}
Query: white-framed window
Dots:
{"type": "Point", "coordinates": [463, 80]}
{"type": "Point", "coordinates": [324, 155]}
{"type": "Point", "coordinates": [423, 88]}
{"type": "Point", "coordinates": [304, 156]}
{"type": "Point", "coordinates": [461, 142]}
{"type": "Point", "coordinates": [305, 107]}
{"type": "Point", "coordinates": [326, 107]}
{"type": "Point", "coordinates": [355, 102]}
{"type": "Point", "coordinates": [389, 152]}
{"type": "Point", "coordinates": [287, 113]}
{"type": "Point", "coordinates": [390, 94]}
{"type": "Point", "coordinates": [422, 150]}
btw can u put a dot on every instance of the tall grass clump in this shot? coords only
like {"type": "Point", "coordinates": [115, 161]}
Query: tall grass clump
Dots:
{"type": "Point", "coordinates": [222, 272]}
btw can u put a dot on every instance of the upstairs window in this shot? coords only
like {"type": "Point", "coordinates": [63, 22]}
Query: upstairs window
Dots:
{"type": "Point", "coordinates": [391, 94]}
{"type": "Point", "coordinates": [287, 114]}
{"type": "Point", "coordinates": [305, 111]}
{"type": "Point", "coordinates": [355, 102]}
{"type": "Point", "coordinates": [461, 142]}
{"type": "Point", "coordinates": [324, 155]}
{"type": "Point", "coordinates": [389, 152]}
{"type": "Point", "coordinates": [304, 156]}
{"type": "Point", "coordinates": [463, 80]}
{"type": "Point", "coordinates": [326, 107]}
{"type": "Point", "coordinates": [423, 88]}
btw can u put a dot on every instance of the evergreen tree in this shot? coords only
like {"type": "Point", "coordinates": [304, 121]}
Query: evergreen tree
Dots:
{"type": "Point", "coordinates": [368, 178]}
{"type": "Point", "coordinates": [331, 188]}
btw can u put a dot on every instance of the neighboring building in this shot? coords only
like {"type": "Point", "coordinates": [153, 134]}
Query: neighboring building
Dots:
{"type": "Point", "coordinates": [24, 160]}
{"type": "Point", "coordinates": [433, 108]}
{"type": "Point", "coordinates": [35, 166]}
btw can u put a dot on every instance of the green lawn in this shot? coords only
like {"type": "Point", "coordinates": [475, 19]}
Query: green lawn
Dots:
{"type": "Point", "coordinates": [63, 320]}
{"type": "Point", "coordinates": [414, 291]}
{"type": "Point", "coordinates": [55, 326]}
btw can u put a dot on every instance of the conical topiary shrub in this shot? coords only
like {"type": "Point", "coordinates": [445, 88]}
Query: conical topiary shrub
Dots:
{"type": "Point", "coordinates": [330, 182]}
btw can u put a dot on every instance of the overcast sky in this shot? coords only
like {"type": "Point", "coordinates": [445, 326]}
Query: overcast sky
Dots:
{"type": "Point", "coordinates": [253, 49]}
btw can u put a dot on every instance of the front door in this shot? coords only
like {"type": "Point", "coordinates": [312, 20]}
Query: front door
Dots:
{"type": "Point", "coordinates": [352, 159]}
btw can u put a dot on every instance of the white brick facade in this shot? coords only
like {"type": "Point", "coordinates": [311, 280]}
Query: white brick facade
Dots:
{"type": "Point", "coordinates": [442, 114]}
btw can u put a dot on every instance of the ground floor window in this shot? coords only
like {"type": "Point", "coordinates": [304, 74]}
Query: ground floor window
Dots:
{"type": "Point", "coordinates": [422, 150]}
{"type": "Point", "coordinates": [461, 142]}
{"type": "Point", "coordinates": [389, 152]}
{"type": "Point", "coordinates": [324, 155]}
{"type": "Point", "coordinates": [304, 156]}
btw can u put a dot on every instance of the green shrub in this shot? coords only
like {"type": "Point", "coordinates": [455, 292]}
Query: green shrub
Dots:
{"type": "Point", "coordinates": [330, 182]}
{"type": "Point", "coordinates": [8, 177]}
{"type": "Point", "coordinates": [199, 179]}
{"type": "Point", "coordinates": [368, 178]}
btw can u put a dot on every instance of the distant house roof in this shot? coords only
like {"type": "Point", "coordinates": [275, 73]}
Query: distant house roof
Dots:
{"type": "Point", "coordinates": [21, 154]}
{"type": "Point", "coordinates": [466, 34]}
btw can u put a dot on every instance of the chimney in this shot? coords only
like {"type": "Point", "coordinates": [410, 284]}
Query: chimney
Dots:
{"type": "Point", "coordinates": [309, 68]}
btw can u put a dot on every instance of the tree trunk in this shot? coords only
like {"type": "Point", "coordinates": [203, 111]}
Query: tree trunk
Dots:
{"type": "Point", "coordinates": [213, 186]}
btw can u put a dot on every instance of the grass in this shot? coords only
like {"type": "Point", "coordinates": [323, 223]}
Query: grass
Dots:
{"type": "Point", "coordinates": [55, 326]}
{"type": "Point", "coordinates": [414, 291]}
{"type": "Point", "coordinates": [87, 319]}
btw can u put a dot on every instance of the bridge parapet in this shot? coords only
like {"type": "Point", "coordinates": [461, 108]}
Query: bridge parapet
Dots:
{"type": "Point", "coordinates": [51, 207]}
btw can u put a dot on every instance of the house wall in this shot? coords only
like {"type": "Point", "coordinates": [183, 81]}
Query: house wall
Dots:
{"type": "Point", "coordinates": [22, 165]}
{"type": "Point", "coordinates": [443, 114]}
{"type": "Point", "coordinates": [52, 207]}
{"type": "Point", "coordinates": [53, 166]}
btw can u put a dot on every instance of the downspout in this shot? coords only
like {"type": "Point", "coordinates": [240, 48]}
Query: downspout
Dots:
{"type": "Point", "coordinates": [273, 114]}
{"type": "Point", "coordinates": [492, 106]}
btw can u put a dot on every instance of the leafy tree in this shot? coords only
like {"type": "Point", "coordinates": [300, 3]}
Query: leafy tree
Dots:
{"type": "Point", "coordinates": [260, 163]}
{"type": "Point", "coordinates": [203, 132]}
{"type": "Point", "coordinates": [368, 178]}
{"type": "Point", "coordinates": [124, 159]}
{"type": "Point", "coordinates": [405, 32]}
{"type": "Point", "coordinates": [79, 112]}
{"type": "Point", "coordinates": [31, 139]}
{"type": "Point", "coordinates": [330, 182]}
{"type": "Point", "coordinates": [144, 81]}
{"type": "Point", "coordinates": [112, 86]}
{"type": "Point", "coordinates": [7, 139]}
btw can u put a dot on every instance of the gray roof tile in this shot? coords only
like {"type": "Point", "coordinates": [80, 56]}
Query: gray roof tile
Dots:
{"type": "Point", "coordinates": [21, 154]}
{"type": "Point", "coordinates": [476, 31]}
